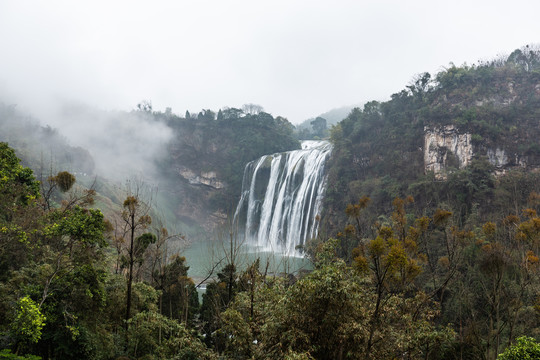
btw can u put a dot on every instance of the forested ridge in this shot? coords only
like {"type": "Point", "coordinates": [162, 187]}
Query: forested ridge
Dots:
{"type": "Point", "coordinates": [406, 265]}
{"type": "Point", "coordinates": [378, 150]}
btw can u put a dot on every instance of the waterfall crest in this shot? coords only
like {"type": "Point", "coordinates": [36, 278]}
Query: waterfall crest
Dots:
{"type": "Point", "coordinates": [282, 196]}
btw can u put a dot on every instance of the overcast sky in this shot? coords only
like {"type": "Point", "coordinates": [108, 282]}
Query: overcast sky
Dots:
{"type": "Point", "coordinates": [295, 58]}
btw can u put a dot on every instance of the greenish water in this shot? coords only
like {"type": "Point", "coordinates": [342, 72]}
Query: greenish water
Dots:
{"type": "Point", "coordinates": [201, 256]}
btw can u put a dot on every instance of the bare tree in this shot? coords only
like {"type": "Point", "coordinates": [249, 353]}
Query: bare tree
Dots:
{"type": "Point", "coordinates": [252, 109]}
{"type": "Point", "coordinates": [135, 219]}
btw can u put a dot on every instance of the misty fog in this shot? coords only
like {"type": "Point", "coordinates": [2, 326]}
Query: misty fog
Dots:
{"type": "Point", "coordinates": [115, 145]}
{"type": "Point", "coordinates": [123, 144]}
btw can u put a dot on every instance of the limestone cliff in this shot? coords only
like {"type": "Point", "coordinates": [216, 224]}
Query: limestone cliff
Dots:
{"type": "Point", "coordinates": [445, 146]}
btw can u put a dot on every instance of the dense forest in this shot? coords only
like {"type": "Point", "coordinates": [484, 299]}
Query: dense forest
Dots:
{"type": "Point", "coordinates": [408, 264]}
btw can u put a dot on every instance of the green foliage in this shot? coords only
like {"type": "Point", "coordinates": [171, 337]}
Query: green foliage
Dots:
{"type": "Point", "coordinates": [154, 336]}
{"type": "Point", "coordinates": [217, 297]}
{"type": "Point", "coordinates": [180, 299]}
{"type": "Point", "coordinates": [64, 180]}
{"type": "Point", "coordinates": [332, 313]}
{"type": "Point", "coordinates": [6, 354]}
{"type": "Point", "coordinates": [29, 321]}
{"type": "Point", "coordinates": [141, 245]}
{"type": "Point", "coordinates": [55, 257]}
{"type": "Point", "coordinates": [16, 181]}
{"type": "Point", "coordinates": [526, 348]}
{"type": "Point", "coordinates": [240, 342]}
{"type": "Point", "coordinates": [79, 224]}
{"type": "Point", "coordinates": [323, 314]}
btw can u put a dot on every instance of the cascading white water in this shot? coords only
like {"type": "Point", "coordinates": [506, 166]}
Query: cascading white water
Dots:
{"type": "Point", "coordinates": [282, 196]}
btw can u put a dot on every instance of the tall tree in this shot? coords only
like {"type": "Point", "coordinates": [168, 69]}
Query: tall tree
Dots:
{"type": "Point", "coordinates": [136, 219]}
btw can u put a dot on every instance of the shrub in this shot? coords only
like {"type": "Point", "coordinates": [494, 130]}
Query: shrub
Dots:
{"type": "Point", "coordinates": [526, 348]}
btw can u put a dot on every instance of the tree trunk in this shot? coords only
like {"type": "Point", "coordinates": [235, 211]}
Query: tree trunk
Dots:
{"type": "Point", "coordinates": [130, 272]}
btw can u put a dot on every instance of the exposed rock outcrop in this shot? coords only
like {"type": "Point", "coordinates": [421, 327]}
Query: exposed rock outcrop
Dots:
{"type": "Point", "coordinates": [203, 178]}
{"type": "Point", "coordinates": [443, 147]}
{"type": "Point", "coordinates": [497, 157]}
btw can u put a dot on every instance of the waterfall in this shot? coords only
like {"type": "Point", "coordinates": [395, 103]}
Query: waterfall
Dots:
{"type": "Point", "coordinates": [282, 197]}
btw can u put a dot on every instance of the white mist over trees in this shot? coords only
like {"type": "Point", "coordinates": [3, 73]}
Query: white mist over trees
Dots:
{"type": "Point", "coordinates": [124, 144]}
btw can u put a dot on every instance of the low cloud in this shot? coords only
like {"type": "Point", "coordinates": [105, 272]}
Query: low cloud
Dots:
{"type": "Point", "coordinates": [123, 144]}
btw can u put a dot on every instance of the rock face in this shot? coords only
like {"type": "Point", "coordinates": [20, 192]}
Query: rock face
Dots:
{"type": "Point", "coordinates": [497, 157]}
{"type": "Point", "coordinates": [444, 147]}
{"type": "Point", "coordinates": [202, 178]}
{"type": "Point", "coordinates": [196, 188]}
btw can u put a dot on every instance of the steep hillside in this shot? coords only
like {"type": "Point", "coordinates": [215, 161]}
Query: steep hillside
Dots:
{"type": "Point", "coordinates": [466, 140]}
